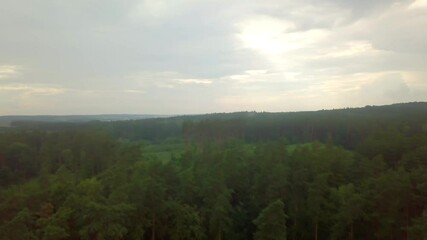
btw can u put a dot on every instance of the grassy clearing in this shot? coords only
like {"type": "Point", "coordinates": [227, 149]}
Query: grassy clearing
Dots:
{"type": "Point", "coordinates": [164, 151]}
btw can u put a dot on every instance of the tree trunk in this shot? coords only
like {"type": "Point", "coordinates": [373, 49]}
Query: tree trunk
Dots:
{"type": "Point", "coordinates": [153, 228]}
{"type": "Point", "coordinates": [407, 222]}
{"type": "Point", "coordinates": [295, 229]}
{"type": "Point", "coordinates": [351, 231]}
{"type": "Point", "coordinates": [315, 230]}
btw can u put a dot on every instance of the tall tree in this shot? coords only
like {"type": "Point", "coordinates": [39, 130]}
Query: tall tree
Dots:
{"type": "Point", "coordinates": [350, 208]}
{"type": "Point", "coordinates": [271, 222]}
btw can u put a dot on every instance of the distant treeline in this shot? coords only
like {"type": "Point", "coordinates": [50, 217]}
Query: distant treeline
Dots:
{"type": "Point", "coordinates": [7, 120]}
{"type": "Point", "coordinates": [345, 127]}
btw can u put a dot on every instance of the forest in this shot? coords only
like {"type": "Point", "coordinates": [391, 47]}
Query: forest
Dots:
{"type": "Point", "coordinates": [354, 173]}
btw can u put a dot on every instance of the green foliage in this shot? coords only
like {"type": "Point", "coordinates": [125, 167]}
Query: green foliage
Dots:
{"type": "Point", "coordinates": [102, 221]}
{"type": "Point", "coordinates": [187, 223]}
{"type": "Point", "coordinates": [271, 222]}
{"type": "Point", "coordinates": [53, 225]}
{"type": "Point", "coordinates": [418, 230]}
{"type": "Point", "coordinates": [20, 227]}
{"type": "Point", "coordinates": [345, 174]}
{"type": "Point", "coordinates": [350, 204]}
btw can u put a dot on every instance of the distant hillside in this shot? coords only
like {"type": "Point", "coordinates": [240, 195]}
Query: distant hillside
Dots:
{"type": "Point", "coordinates": [7, 120]}
{"type": "Point", "coordinates": [346, 127]}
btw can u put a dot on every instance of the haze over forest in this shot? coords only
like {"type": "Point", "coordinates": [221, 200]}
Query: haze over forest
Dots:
{"type": "Point", "coordinates": [186, 56]}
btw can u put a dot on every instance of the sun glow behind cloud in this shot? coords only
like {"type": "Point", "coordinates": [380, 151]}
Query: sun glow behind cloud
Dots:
{"type": "Point", "coordinates": [265, 34]}
{"type": "Point", "coordinates": [417, 4]}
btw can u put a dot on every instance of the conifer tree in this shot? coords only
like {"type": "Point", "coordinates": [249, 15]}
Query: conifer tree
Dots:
{"type": "Point", "coordinates": [271, 222]}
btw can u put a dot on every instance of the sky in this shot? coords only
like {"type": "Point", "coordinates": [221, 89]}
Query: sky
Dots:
{"type": "Point", "coordinates": [201, 56]}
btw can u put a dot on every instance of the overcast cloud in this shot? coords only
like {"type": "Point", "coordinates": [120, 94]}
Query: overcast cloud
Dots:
{"type": "Point", "coordinates": [199, 56]}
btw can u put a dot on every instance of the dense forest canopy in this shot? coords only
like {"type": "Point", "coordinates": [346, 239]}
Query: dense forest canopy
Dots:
{"type": "Point", "coordinates": [356, 173]}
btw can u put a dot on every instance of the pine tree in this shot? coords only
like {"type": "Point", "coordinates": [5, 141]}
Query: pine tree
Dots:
{"type": "Point", "coordinates": [271, 222]}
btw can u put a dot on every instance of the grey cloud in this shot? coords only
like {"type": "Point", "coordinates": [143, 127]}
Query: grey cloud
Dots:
{"type": "Point", "coordinates": [401, 32]}
{"type": "Point", "coordinates": [114, 56]}
{"type": "Point", "coordinates": [76, 39]}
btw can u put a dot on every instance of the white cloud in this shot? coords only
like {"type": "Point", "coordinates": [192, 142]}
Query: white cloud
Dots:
{"type": "Point", "coordinates": [262, 76]}
{"type": "Point", "coordinates": [9, 71]}
{"type": "Point", "coordinates": [34, 89]}
{"type": "Point", "coordinates": [194, 81]}
{"type": "Point", "coordinates": [350, 49]}
{"type": "Point", "coordinates": [149, 81]}
{"type": "Point", "coordinates": [134, 91]}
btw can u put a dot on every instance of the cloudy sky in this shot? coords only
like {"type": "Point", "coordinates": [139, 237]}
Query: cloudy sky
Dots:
{"type": "Point", "coordinates": [199, 56]}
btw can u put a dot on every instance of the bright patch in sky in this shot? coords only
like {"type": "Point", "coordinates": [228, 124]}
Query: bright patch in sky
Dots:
{"type": "Point", "coordinates": [418, 4]}
{"type": "Point", "coordinates": [266, 34]}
